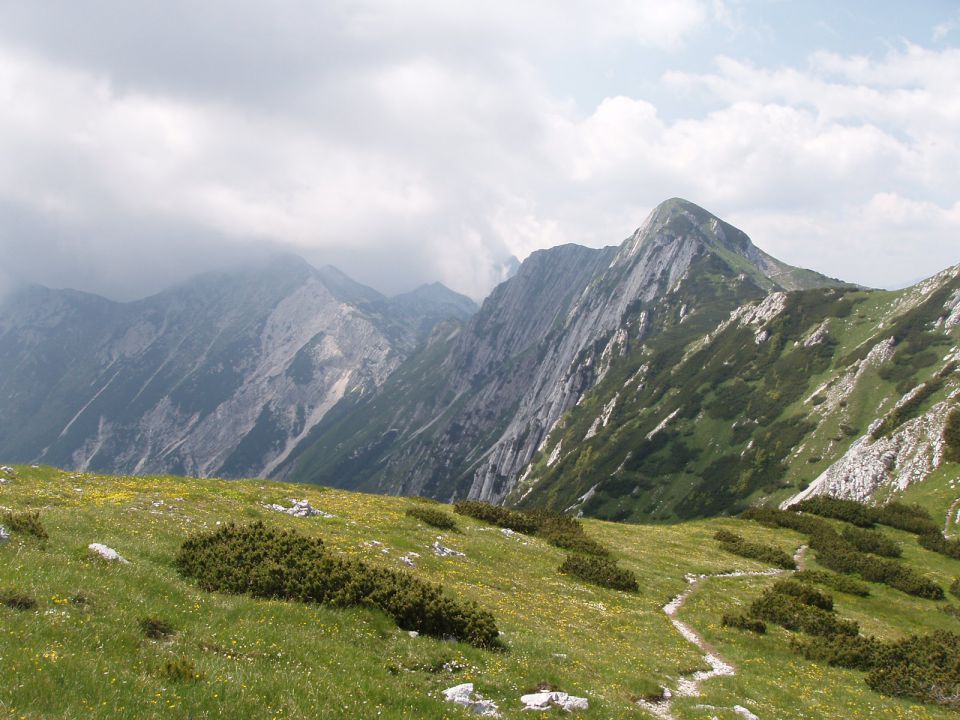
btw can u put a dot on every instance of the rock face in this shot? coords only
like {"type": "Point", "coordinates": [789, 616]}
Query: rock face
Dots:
{"type": "Point", "coordinates": [222, 375]}
{"type": "Point", "coordinates": [465, 417]}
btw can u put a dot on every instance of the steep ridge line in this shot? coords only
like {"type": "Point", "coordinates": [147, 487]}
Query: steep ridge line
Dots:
{"type": "Point", "coordinates": [689, 685]}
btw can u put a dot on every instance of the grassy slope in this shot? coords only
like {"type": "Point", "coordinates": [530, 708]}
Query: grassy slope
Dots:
{"type": "Point", "coordinates": [263, 659]}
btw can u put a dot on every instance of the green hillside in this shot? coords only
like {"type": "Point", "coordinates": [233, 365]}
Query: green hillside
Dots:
{"type": "Point", "coordinates": [82, 652]}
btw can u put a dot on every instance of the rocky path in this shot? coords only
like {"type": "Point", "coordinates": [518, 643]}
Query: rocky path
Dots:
{"type": "Point", "coordinates": [689, 685]}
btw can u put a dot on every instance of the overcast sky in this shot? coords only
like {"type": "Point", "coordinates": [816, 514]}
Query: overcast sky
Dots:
{"type": "Point", "coordinates": [406, 141]}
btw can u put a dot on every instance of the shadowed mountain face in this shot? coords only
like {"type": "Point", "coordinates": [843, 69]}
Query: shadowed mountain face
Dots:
{"type": "Point", "coordinates": [221, 375]}
{"type": "Point", "coordinates": [466, 415]}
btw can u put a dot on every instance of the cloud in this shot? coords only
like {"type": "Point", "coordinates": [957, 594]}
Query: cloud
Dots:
{"type": "Point", "coordinates": [408, 142]}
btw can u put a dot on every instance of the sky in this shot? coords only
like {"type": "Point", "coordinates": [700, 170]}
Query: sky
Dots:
{"type": "Point", "coordinates": [407, 141]}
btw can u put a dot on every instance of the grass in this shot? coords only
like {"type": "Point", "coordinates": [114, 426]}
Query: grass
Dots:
{"type": "Point", "coordinates": [83, 651]}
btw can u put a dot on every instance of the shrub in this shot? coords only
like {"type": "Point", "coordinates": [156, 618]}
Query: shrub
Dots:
{"type": "Point", "coordinates": [735, 544]}
{"type": "Point", "coordinates": [804, 593]}
{"type": "Point", "coordinates": [834, 581]}
{"type": "Point", "coordinates": [267, 563]}
{"type": "Point", "coordinates": [871, 541]}
{"type": "Point", "coordinates": [432, 516]}
{"type": "Point", "coordinates": [17, 600]}
{"type": "Point", "coordinates": [772, 517]}
{"type": "Point", "coordinates": [566, 533]}
{"type": "Point", "coordinates": [26, 522]}
{"type": "Point", "coordinates": [600, 571]}
{"type": "Point", "coordinates": [496, 515]}
{"type": "Point", "coordinates": [744, 622]}
{"type": "Point", "coordinates": [951, 436]}
{"type": "Point", "coordinates": [848, 510]}
{"type": "Point", "coordinates": [924, 668]}
{"type": "Point", "coordinates": [936, 542]}
{"type": "Point", "coordinates": [791, 613]}
{"type": "Point", "coordinates": [181, 670]}
{"type": "Point", "coordinates": [156, 628]}
{"type": "Point", "coordinates": [955, 587]}
{"type": "Point", "coordinates": [847, 651]}
{"type": "Point", "coordinates": [910, 518]}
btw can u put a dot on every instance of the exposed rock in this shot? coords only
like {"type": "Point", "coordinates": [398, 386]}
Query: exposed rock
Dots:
{"type": "Point", "coordinates": [464, 696]}
{"type": "Point", "coordinates": [4, 535]}
{"type": "Point", "coordinates": [443, 551]}
{"type": "Point", "coordinates": [8, 470]}
{"type": "Point", "coordinates": [106, 553]}
{"type": "Point", "coordinates": [407, 560]}
{"type": "Point", "coordinates": [300, 508]}
{"type": "Point", "coordinates": [548, 700]}
{"type": "Point", "coordinates": [818, 335]}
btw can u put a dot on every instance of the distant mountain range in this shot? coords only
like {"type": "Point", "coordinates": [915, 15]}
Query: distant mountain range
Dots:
{"type": "Point", "coordinates": [682, 373]}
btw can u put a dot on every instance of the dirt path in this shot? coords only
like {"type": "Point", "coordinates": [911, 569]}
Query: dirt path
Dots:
{"type": "Point", "coordinates": [689, 685]}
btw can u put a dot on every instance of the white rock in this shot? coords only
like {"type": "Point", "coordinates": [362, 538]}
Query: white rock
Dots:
{"type": "Point", "coordinates": [300, 508]}
{"type": "Point", "coordinates": [465, 696]}
{"type": "Point", "coordinates": [7, 469]}
{"type": "Point", "coordinates": [106, 553]}
{"type": "Point", "coordinates": [547, 700]}
{"type": "Point", "coordinates": [407, 560]}
{"type": "Point", "coordinates": [443, 551]}
{"type": "Point", "coordinates": [4, 535]}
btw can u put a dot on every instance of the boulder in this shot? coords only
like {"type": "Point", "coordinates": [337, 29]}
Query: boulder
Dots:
{"type": "Point", "coordinates": [547, 700]}
{"type": "Point", "coordinates": [300, 508]}
{"type": "Point", "coordinates": [443, 551]}
{"type": "Point", "coordinates": [105, 553]}
{"type": "Point", "coordinates": [464, 696]}
{"type": "Point", "coordinates": [4, 535]}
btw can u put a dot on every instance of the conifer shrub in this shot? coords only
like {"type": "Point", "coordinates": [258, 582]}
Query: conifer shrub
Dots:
{"type": "Point", "coordinates": [496, 515]}
{"type": "Point", "coordinates": [936, 542]}
{"type": "Point", "coordinates": [16, 600]}
{"type": "Point", "coordinates": [955, 587]}
{"type": "Point", "coordinates": [181, 670]}
{"type": "Point", "coordinates": [923, 668]}
{"type": "Point", "coordinates": [909, 518]}
{"type": "Point", "coordinates": [773, 517]}
{"type": "Point", "coordinates": [853, 652]}
{"type": "Point", "coordinates": [733, 543]}
{"type": "Point", "coordinates": [834, 581]}
{"type": "Point", "coordinates": [26, 522]}
{"type": "Point", "coordinates": [744, 622]}
{"type": "Point", "coordinates": [600, 571]}
{"type": "Point", "coordinates": [951, 436]}
{"type": "Point", "coordinates": [804, 593]}
{"type": "Point", "coordinates": [566, 533]}
{"type": "Point", "coordinates": [848, 510]}
{"type": "Point", "coordinates": [432, 516]}
{"type": "Point", "coordinates": [268, 563]}
{"type": "Point", "coordinates": [871, 541]}
{"type": "Point", "coordinates": [792, 613]}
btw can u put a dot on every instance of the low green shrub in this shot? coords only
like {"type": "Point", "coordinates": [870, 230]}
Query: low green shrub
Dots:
{"type": "Point", "coordinates": [853, 652]}
{"type": "Point", "coordinates": [600, 571]}
{"type": "Point", "coordinates": [791, 613]}
{"type": "Point", "coordinates": [910, 518]}
{"type": "Point", "coordinates": [923, 668]}
{"type": "Point", "coordinates": [17, 600]}
{"type": "Point", "coordinates": [804, 593]}
{"type": "Point", "coordinates": [834, 581]}
{"type": "Point", "coordinates": [744, 622]}
{"type": "Point", "coordinates": [955, 587]}
{"type": "Point", "coordinates": [848, 510]}
{"type": "Point", "coordinates": [432, 516]}
{"type": "Point", "coordinates": [267, 563]}
{"type": "Point", "coordinates": [871, 541]}
{"type": "Point", "coordinates": [951, 437]}
{"type": "Point", "coordinates": [772, 517]}
{"type": "Point", "coordinates": [566, 533]}
{"type": "Point", "coordinates": [733, 543]}
{"type": "Point", "coordinates": [936, 542]}
{"type": "Point", "coordinates": [26, 522]}
{"type": "Point", "coordinates": [496, 515]}
{"type": "Point", "coordinates": [156, 628]}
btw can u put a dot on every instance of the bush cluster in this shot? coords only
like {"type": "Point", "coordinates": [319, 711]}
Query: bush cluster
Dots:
{"type": "Point", "coordinates": [744, 622]}
{"type": "Point", "coordinates": [733, 543]}
{"type": "Point", "coordinates": [26, 522]}
{"type": "Point", "coordinates": [432, 516]}
{"type": "Point", "coordinates": [834, 581]}
{"type": "Point", "coordinates": [806, 594]}
{"type": "Point", "coordinates": [561, 531]}
{"type": "Point", "coordinates": [951, 436]}
{"type": "Point", "coordinates": [267, 563]}
{"type": "Point", "coordinates": [936, 542]}
{"type": "Point", "coordinates": [792, 613]}
{"type": "Point", "coordinates": [909, 518]}
{"type": "Point", "coordinates": [496, 515]}
{"type": "Point", "coordinates": [836, 553]}
{"type": "Point", "coordinates": [600, 571]}
{"type": "Point", "coordinates": [772, 517]}
{"type": "Point", "coordinates": [849, 511]}
{"type": "Point", "coordinates": [871, 541]}
{"type": "Point", "coordinates": [955, 587]}
{"type": "Point", "coordinates": [853, 652]}
{"type": "Point", "coordinates": [925, 668]}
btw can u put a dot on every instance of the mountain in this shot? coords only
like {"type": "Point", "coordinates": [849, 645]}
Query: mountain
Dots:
{"type": "Point", "coordinates": [222, 374]}
{"type": "Point", "coordinates": [466, 415]}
